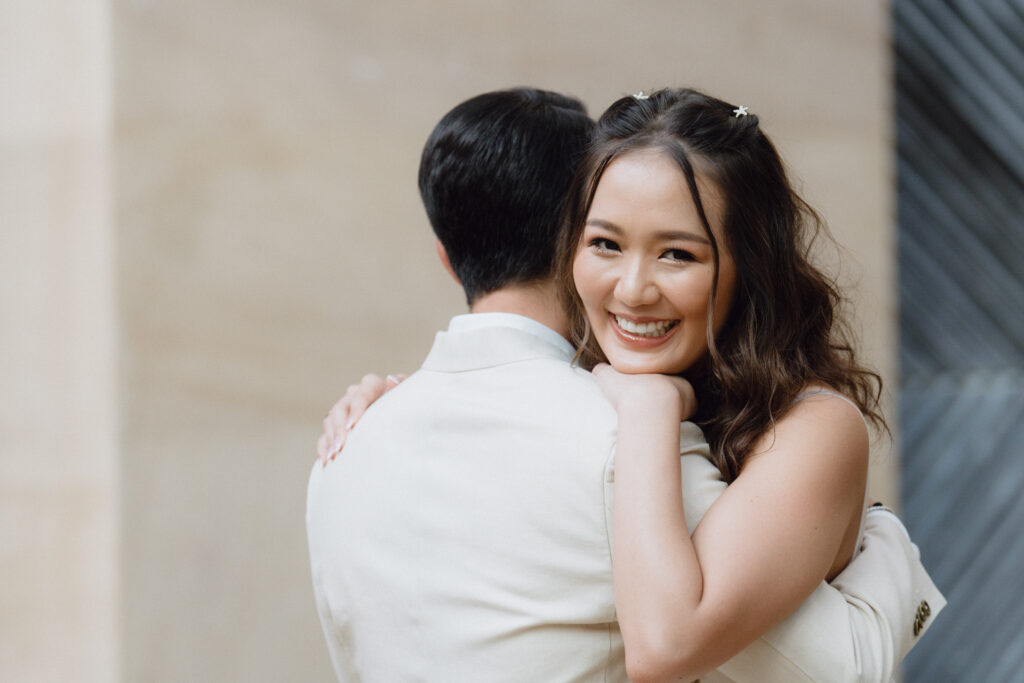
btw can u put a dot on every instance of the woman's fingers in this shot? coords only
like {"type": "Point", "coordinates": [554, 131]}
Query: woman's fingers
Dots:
{"type": "Point", "coordinates": [602, 372]}
{"type": "Point", "coordinates": [347, 411]}
{"type": "Point", "coordinates": [344, 415]}
{"type": "Point", "coordinates": [330, 429]}
{"type": "Point", "coordinates": [334, 423]}
{"type": "Point", "coordinates": [616, 386]}
{"type": "Point", "coordinates": [323, 449]}
{"type": "Point", "coordinates": [339, 443]}
{"type": "Point", "coordinates": [611, 382]}
{"type": "Point", "coordinates": [369, 390]}
{"type": "Point", "coordinates": [686, 393]}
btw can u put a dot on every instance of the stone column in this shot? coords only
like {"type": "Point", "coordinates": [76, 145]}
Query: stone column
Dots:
{"type": "Point", "coordinates": [58, 425]}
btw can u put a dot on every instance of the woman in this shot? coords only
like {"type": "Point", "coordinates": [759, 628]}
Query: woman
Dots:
{"type": "Point", "coordinates": [685, 263]}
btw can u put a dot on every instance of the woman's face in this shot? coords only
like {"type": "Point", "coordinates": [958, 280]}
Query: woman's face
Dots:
{"type": "Point", "coordinates": [644, 266]}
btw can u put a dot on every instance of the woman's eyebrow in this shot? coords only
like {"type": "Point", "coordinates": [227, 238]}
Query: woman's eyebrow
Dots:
{"type": "Point", "coordinates": [664, 235]}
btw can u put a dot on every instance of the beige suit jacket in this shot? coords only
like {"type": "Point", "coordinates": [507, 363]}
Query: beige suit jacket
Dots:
{"type": "Point", "coordinates": [465, 534]}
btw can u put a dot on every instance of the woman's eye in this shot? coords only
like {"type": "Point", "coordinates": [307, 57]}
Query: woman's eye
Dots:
{"type": "Point", "coordinates": [678, 255]}
{"type": "Point", "coordinates": [602, 244]}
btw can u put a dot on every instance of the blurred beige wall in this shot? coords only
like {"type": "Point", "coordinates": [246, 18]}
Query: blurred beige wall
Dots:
{"type": "Point", "coordinates": [253, 169]}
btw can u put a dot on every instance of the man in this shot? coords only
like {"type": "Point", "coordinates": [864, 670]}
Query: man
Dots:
{"type": "Point", "coordinates": [465, 533]}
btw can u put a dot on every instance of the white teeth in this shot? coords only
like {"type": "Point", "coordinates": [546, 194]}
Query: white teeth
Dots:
{"type": "Point", "coordinates": [654, 329]}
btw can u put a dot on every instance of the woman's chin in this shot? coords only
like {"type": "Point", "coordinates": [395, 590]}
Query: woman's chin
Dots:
{"type": "Point", "coordinates": [641, 366]}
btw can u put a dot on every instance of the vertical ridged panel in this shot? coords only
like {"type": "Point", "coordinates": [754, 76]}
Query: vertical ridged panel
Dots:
{"type": "Point", "coordinates": [960, 134]}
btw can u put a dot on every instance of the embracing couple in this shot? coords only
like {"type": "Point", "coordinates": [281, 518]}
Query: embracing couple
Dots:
{"type": "Point", "coordinates": [643, 453]}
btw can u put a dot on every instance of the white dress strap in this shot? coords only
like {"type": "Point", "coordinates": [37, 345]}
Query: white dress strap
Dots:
{"type": "Point", "coordinates": [814, 392]}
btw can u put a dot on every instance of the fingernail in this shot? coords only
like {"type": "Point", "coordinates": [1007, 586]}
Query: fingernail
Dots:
{"type": "Point", "coordinates": [392, 379]}
{"type": "Point", "coordinates": [351, 422]}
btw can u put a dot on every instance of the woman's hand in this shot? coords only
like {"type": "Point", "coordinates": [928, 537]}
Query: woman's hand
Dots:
{"type": "Point", "coordinates": [347, 411]}
{"type": "Point", "coordinates": [657, 391]}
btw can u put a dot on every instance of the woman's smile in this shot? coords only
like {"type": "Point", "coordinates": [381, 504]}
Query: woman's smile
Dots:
{"type": "Point", "coordinates": [643, 332]}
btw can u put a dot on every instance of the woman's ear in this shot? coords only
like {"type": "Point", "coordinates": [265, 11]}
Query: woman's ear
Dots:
{"type": "Point", "coordinates": [443, 255]}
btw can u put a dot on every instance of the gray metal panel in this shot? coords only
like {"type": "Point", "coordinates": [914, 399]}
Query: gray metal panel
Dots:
{"type": "Point", "coordinates": [960, 133]}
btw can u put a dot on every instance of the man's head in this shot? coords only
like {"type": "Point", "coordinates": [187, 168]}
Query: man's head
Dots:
{"type": "Point", "coordinates": [494, 177]}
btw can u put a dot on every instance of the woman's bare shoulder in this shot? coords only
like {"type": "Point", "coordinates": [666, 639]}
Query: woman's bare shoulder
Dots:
{"type": "Point", "coordinates": [821, 423]}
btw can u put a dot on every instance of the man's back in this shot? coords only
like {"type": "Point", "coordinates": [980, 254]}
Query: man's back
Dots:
{"type": "Point", "coordinates": [463, 534]}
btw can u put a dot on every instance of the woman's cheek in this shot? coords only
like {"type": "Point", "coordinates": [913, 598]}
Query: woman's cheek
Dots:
{"type": "Point", "coordinates": [583, 276]}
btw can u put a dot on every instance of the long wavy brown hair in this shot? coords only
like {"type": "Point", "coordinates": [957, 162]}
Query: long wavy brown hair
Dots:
{"type": "Point", "coordinates": [783, 331]}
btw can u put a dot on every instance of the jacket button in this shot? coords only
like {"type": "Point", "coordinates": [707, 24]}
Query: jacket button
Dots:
{"type": "Point", "coordinates": [924, 610]}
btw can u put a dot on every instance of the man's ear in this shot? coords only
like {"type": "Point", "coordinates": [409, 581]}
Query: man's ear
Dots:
{"type": "Point", "coordinates": [443, 255]}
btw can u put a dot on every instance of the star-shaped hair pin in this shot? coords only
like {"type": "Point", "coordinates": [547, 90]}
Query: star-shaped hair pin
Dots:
{"type": "Point", "coordinates": [641, 96]}
{"type": "Point", "coordinates": [739, 111]}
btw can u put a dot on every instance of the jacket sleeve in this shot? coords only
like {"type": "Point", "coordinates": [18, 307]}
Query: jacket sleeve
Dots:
{"type": "Point", "coordinates": [859, 627]}
{"type": "Point", "coordinates": [856, 629]}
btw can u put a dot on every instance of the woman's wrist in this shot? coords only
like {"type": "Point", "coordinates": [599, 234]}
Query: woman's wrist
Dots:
{"type": "Point", "coordinates": [653, 402]}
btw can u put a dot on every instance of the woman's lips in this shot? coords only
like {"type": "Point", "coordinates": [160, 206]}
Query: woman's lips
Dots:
{"type": "Point", "coordinates": [642, 333]}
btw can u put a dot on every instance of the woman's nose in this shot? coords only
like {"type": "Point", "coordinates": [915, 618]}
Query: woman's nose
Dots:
{"type": "Point", "coordinates": [636, 287]}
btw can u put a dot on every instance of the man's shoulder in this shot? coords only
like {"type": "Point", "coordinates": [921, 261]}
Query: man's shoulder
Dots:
{"type": "Point", "coordinates": [550, 382]}
{"type": "Point", "coordinates": [541, 391]}
{"type": "Point", "coordinates": [567, 377]}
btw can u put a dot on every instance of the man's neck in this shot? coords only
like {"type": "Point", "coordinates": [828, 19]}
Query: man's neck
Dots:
{"type": "Point", "coordinates": [537, 301]}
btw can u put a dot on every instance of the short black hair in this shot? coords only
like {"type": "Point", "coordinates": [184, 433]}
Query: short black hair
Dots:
{"type": "Point", "coordinates": [494, 176]}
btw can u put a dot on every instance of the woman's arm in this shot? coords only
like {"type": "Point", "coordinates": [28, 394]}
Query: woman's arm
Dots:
{"type": "Point", "coordinates": [684, 605]}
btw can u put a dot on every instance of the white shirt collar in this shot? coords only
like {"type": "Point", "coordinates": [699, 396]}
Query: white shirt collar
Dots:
{"type": "Point", "coordinates": [477, 321]}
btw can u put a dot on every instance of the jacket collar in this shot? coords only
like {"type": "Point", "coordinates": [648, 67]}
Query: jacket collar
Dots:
{"type": "Point", "coordinates": [483, 340]}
